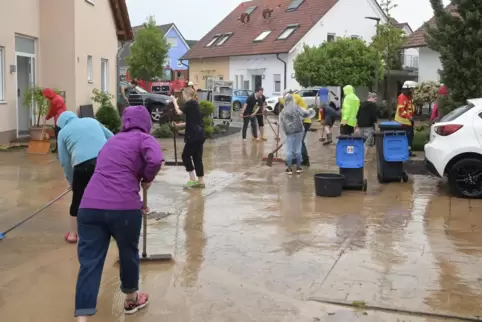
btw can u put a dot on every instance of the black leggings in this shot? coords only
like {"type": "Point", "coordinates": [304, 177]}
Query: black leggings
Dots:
{"type": "Point", "coordinates": [193, 153]}
{"type": "Point", "coordinates": [81, 177]}
{"type": "Point", "coordinates": [57, 130]}
{"type": "Point", "coordinates": [254, 128]}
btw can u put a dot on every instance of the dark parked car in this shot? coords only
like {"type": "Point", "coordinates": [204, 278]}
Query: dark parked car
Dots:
{"type": "Point", "coordinates": [158, 105]}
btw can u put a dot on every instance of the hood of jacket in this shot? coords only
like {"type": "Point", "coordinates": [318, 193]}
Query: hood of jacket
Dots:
{"type": "Point", "coordinates": [136, 117]}
{"type": "Point", "coordinates": [49, 93]}
{"type": "Point", "coordinates": [65, 118]}
{"type": "Point", "coordinates": [348, 89]}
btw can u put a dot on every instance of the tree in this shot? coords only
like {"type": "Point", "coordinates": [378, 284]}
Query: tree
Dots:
{"type": "Point", "coordinates": [389, 41]}
{"type": "Point", "coordinates": [344, 61]}
{"type": "Point", "coordinates": [148, 52]}
{"type": "Point", "coordinates": [457, 36]}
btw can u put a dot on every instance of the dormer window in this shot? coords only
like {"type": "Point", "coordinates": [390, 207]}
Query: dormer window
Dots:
{"type": "Point", "coordinates": [250, 10]}
{"type": "Point", "coordinates": [294, 5]}
{"type": "Point", "coordinates": [262, 36]}
{"type": "Point", "coordinates": [224, 38]}
{"type": "Point", "coordinates": [287, 32]}
{"type": "Point", "coordinates": [215, 38]}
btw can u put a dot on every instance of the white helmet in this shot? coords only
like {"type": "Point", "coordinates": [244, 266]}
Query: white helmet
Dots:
{"type": "Point", "coordinates": [409, 84]}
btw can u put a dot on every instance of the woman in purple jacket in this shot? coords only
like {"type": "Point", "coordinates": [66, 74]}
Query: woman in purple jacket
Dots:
{"type": "Point", "coordinates": [112, 207]}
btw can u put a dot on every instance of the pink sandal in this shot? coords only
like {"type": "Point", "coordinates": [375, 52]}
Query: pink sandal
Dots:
{"type": "Point", "coordinates": [71, 238]}
{"type": "Point", "coordinates": [131, 307]}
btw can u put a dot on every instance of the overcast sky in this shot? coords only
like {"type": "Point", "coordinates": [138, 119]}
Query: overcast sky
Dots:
{"type": "Point", "coordinates": [195, 18]}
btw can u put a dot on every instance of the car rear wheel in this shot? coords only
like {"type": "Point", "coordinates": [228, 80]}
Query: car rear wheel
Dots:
{"type": "Point", "coordinates": [236, 106]}
{"type": "Point", "coordinates": [276, 109]}
{"type": "Point", "coordinates": [465, 178]}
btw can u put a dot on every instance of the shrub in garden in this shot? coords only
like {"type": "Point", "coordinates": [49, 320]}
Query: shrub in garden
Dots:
{"type": "Point", "coordinates": [163, 131]}
{"type": "Point", "coordinates": [106, 114]}
{"type": "Point", "coordinates": [207, 110]}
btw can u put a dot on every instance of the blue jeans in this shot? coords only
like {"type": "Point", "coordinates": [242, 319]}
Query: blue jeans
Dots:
{"type": "Point", "coordinates": [293, 144]}
{"type": "Point", "coordinates": [96, 227]}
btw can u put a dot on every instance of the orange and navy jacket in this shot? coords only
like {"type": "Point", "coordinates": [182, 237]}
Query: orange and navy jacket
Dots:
{"type": "Point", "coordinates": [57, 104]}
{"type": "Point", "coordinates": [405, 110]}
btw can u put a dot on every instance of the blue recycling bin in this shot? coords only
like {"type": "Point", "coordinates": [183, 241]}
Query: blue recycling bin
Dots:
{"type": "Point", "coordinates": [350, 158]}
{"type": "Point", "coordinates": [392, 152]}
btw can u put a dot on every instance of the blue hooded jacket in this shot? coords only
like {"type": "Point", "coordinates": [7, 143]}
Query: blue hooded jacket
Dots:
{"type": "Point", "coordinates": [79, 140]}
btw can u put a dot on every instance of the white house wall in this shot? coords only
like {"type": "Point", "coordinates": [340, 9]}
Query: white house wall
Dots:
{"type": "Point", "coordinates": [243, 68]}
{"type": "Point", "coordinates": [429, 65]}
{"type": "Point", "coordinates": [345, 19]}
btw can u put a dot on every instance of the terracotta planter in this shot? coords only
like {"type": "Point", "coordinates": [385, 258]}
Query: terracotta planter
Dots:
{"type": "Point", "coordinates": [36, 134]}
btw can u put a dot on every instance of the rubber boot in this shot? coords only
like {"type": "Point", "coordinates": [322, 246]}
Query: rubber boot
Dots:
{"type": "Point", "coordinates": [306, 162]}
{"type": "Point", "coordinates": [329, 139]}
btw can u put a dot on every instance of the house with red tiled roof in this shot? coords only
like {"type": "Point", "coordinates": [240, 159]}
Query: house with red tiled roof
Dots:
{"type": "Point", "coordinates": [429, 60]}
{"type": "Point", "coordinates": [256, 43]}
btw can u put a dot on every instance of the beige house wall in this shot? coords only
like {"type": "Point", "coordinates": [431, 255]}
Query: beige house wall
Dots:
{"type": "Point", "coordinates": [95, 35]}
{"type": "Point", "coordinates": [19, 17]}
{"type": "Point", "coordinates": [201, 69]}
{"type": "Point", "coordinates": [66, 32]}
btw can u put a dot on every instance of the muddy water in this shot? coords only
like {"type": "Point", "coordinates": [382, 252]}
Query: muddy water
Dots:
{"type": "Point", "coordinates": [255, 245]}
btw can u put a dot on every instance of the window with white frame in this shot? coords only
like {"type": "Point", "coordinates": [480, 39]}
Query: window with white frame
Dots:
{"type": "Point", "coordinates": [290, 29]}
{"type": "Point", "coordinates": [236, 81]}
{"type": "Point", "coordinates": [277, 83]}
{"type": "Point", "coordinates": [213, 40]}
{"type": "Point", "coordinates": [331, 37]}
{"type": "Point", "coordinates": [172, 41]}
{"type": "Point", "coordinates": [90, 69]}
{"type": "Point", "coordinates": [104, 75]}
{"type": "Point", "coordinates": [2, 73]}
{"type": "Point", "coordinates": [246, 84]}
{"type": "Point", "coordinates": [224, 38]}
{"type": "Point", "coordinates": [262, 36]}
{"type": "Point", "coordinates": [241, 81]}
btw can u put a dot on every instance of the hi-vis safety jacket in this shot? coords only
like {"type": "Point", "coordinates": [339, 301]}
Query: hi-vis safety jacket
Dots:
{"type": "Point", "coordinates": [405, 110]}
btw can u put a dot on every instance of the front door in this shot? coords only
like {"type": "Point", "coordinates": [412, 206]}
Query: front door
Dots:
{"type": "Point", "coordinates": [257, 82]}
{"type": "Point", "coordinates": [25, 81]}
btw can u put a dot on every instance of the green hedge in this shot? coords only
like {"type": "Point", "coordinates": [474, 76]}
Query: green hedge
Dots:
{"type": "Point", "coordinates": [421, 137]}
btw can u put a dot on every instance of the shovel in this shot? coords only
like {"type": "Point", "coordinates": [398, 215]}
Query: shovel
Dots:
{"type": "Point", "coordinates": [269, 160]}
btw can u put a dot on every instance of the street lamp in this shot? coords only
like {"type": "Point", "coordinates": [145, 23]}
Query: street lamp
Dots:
{"type": "Point", "coordinates": [378, 57]}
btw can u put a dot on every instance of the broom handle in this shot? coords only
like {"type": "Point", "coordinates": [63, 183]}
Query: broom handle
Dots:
{"type": "Point", "coordinates": [144, 225]}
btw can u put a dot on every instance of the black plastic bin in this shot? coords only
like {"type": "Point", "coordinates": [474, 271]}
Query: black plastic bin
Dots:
{"type": "Point", "coordinates": [350, 158]}
{"type": "Point", "coordinates": [329, 184]}
{"type": "Point", "coordinates": [390, 164]}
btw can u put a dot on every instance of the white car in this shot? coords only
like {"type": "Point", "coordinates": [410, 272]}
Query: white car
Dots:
{"type": "Point", "coordinates": [272, 104]}
{"type": "Point", "coordinates": [455, 149]}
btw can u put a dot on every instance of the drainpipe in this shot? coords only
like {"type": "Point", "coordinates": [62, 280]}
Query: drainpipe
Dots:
{"type": "Point", "coordinates": [285, 70]}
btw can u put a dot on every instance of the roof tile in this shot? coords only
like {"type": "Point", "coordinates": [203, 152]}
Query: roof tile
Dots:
{"type": "Point", "coordinates": [242, 40]}
{"type": "Point", "coordinates": [417, 39]}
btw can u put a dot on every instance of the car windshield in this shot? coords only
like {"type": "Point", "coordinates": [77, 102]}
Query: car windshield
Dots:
{"type": "Point", "coordinates": [456, 113]}
{"type": "Point", "coordinates": [249, 92]}
{"type": "Point", "coordinates": [140, 90]}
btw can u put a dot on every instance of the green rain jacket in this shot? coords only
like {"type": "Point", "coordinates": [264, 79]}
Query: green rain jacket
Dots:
{"type": "Point", "coordinates": [351, 103]}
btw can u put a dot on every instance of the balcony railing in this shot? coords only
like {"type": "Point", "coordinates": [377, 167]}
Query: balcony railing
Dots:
{"type": "Point", "coordinates": [409, 61]}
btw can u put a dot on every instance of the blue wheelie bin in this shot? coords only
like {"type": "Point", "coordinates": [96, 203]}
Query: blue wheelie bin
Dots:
{"type": "Point", "coordinates": [350, 158]}
{"type": "Point", "coordinates": [392, 151]}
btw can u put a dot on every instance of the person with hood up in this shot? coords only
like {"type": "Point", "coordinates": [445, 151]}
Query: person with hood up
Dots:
{"type": "Point", "coordinates": [291, 119]}
{"type": "Point", "coordinates": [112, 207]}
{"type": "Point", "coordinates": [79, 144]}
{"type": "Point", "coordinates": [57, 107]}
{"type": "Point", "coordinates": [349, 111]}
{"type": "Point", "coordinates": [80, 141]}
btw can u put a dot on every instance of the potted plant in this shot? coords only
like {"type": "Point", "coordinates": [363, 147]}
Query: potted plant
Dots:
{"type": "Point", "coordinates": [35, 100]}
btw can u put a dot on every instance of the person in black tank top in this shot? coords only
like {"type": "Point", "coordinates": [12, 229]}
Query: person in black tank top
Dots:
{"type": "Point", "coordinates": [194, 138]}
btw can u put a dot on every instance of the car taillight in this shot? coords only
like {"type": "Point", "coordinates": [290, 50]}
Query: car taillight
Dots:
{"type": "Point", "coordinates": [445, 130]}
